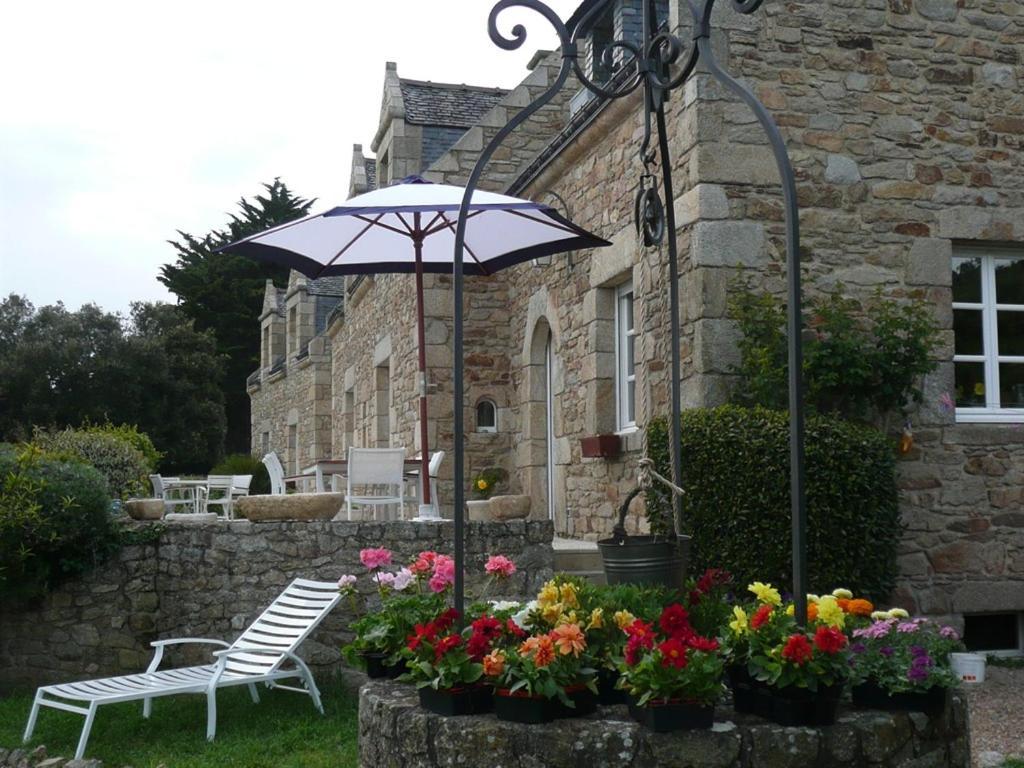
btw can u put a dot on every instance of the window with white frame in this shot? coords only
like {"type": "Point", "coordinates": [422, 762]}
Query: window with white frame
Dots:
{"type": "Point", "coordinates": [625, 368]}
{"type": "Point", "coordinates": [486, 416]}
{"type": "Point", "coordinates": [988, 326]}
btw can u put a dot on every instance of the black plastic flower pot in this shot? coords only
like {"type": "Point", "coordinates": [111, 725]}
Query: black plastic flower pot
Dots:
{"type": "Point", "coordinates": [584, 702]}
{"type": "Point", "coordinates": [668, 716]}
{"type": "Point", "coordinates": [523, 709]}
{"type": "Point", "coordinates": [376, 669]}
{"type": "Point", "coordinates": [744, 694]}
{"type": "Point", "coordinates": [871, 695]}
{"type": "Point", "coordinates": [608, 692]}
{"type": "Point", "coordinates": [483, 698]}
{"type": "Point", "coordinates": [449, 702]}
{"type": "Point", "coordinates": [792, 706]}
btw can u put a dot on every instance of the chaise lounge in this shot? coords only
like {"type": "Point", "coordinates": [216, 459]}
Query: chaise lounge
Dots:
{"type": "Point", "coordinates": [264, 653]}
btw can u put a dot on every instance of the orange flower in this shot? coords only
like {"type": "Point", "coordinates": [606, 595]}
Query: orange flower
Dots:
{"type": "Point", "coordinates": [529, 645]}
{"type": "Point", "coordinates": [569, 639]}
{"type": "Point", "coordinates": [844, 604]}
{"type": "Point", "coordinates": [494, 663]}
{"type": "Point", "coordinates": [812, 611]}
{"type": "Point", "coordinates": [860, 607]}
{"type": "Point", "coordinates": [545, 652]}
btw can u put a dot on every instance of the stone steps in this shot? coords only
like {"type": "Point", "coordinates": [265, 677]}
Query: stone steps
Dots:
{"type": "Point", "coordinates": [578, 558]}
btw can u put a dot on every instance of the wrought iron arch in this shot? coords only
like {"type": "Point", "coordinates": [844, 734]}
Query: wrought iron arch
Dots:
{"type": "Point", "coordinates": [653, 60]}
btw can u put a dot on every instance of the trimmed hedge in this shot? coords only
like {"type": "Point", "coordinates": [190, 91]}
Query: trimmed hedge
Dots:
{"type": "Point", "coordinates": [111, 451]}
{"type": "Point", "coordinates": [244, 464]}
{"type": "Point", "coordinates": [737, 505]}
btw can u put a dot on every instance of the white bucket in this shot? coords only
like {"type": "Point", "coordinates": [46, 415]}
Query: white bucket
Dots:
{"type": "Point", "coordinates": [969, 667]}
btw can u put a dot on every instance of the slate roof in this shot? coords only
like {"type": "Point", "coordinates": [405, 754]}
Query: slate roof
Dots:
{"type": "Point", "coordinates": [326, 286]}
{"type": "Point", "coordinates": [446, 104]}
{"type": "Point", "coordinates": [370, 164]}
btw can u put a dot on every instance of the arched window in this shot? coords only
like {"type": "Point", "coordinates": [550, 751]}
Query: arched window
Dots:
{"type": "Point", "coordinates": [486, 416]}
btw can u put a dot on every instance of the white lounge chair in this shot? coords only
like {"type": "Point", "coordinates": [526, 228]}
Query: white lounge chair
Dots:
{"type": "Point", "coordinates": [256, 656]}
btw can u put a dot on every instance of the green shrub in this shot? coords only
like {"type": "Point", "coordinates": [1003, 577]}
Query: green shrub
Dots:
{"type": "Point", "coordinates": [737, 504]}
{"type": "Point", "coordinates": [125, 467]}
{"type": "Point", "coordinates": [244, 464]}
{"type": "Point", "coordinates": [54, 521]}
{"type": "Point", "coordinates": [130, 434]}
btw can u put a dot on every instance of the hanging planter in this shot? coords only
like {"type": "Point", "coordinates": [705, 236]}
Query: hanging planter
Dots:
{"type": "Point", "coordinates": [643, 559]}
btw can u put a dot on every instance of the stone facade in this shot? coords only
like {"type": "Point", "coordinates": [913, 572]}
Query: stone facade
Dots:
{"type": "Point", "coordinates": [212, 580]}
{"type": "Point", "coordinates": [905, 124]}
{"type": "Point", "coordinates": [394, 730]}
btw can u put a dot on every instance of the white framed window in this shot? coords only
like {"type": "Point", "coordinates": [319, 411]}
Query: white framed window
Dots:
{"type": "Point", "coordinates": [486, 416]}
{"type": "Point", "coordinates": [625, 358]}
{"type": "Point", "coordinates": [988, 328]}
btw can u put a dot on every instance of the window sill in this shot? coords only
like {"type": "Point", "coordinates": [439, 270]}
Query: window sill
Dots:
{"type": "Point", "coordinates": [985, 416]}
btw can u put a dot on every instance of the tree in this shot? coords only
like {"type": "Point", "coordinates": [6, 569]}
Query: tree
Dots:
{"type": "Point", "coordinates": [223, 294]}
{"type": "Point", "coordinates": [61, 369]}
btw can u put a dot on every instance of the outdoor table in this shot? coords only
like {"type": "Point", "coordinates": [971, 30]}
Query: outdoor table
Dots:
{"type": "Point", "coordinates": [336, 468]}
{"type": "Point", "coordinates": [193, 486]}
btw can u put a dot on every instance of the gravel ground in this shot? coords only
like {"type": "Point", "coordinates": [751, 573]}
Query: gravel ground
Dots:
{"type": "Point", "coordinates": [997, 716]}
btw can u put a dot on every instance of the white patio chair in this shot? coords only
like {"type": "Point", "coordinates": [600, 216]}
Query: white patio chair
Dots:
{"type": "Point", "coordinates": [433, 468]}
{"type": "Point", "coordinates": [256, 656]}
{"type": "Point", "coordinates": [163, 488]}
{"type": "Point", "coordinates": [218, 492]}
{"type": "Point", "coordinates": [239, 487]}
{"type": "Point", "coordinates": [378, 472]}
{"type": "Point", "coordinates": [276, 472]}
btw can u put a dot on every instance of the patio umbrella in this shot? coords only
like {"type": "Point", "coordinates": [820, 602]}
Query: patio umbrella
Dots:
{"type": "Point", "coordinates": [372, 233]}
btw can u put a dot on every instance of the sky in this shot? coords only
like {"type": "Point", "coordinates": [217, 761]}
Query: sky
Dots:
{"type": "Point", "coordinates": [122, 123]}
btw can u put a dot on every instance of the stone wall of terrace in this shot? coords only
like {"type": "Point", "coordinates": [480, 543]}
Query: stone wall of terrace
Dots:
{"type": "Point", "coordinates": [212, 580]}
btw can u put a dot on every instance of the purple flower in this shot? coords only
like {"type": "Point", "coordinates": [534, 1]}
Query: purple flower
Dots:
{"type": "Point", "coordinates": [906, 627]}
{"type": "Point", "coordinates": [916, 674]}
{"type": "Point", "coordinates": [858, 648]}
{"type": "Point", "coordinates": [918, 651]}
{"type": "Point", "coordinates": [949, 633]}
{"type": "Point", "coordinates": [886, 651]}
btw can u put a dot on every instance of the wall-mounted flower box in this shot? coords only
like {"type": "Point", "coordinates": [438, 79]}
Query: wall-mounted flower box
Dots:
{"type": "Point", "coordinates": [601, 446]}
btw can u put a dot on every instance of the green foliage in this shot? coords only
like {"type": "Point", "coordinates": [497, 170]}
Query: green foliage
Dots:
{"type": "Point", "coordinates": [118, 460]}
{"type": "Point", "coordinates": [859, 361]}
{"type": "Point", "coordinates": [130, 434]}
{"type": "Point", "coordinates": [737, 507]}
{"type": "Point", "coordinates": [654, 679]}
{"type": "Point", "coordinates": [223, 293]}
{"type": "Point", "coordinates": [244, 464]}
{"type": "Point", "coordinates": [54, 521]}
{"type": "Point", "coordinates": [79, 369]}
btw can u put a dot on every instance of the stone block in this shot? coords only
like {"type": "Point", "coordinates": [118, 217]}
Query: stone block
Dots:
{"type": "Point", "coordinates": [704, 201]}
{"type": "Point", "coordinates": [937, 10]}
{"type": "Point", "coordinates": [841, 169]}
{"type": "Point", "coordinates": [294, 506]}
{"type": "Point", "coordinates": [928, 262]}
{"type": "Point", "coordinates": [989, 596]}
{"type": "Point", "coordinates": [510, 507]}
{"type": "Point", "coordinates": [728, 244]}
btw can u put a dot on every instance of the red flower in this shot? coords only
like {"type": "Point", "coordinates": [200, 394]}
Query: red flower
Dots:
{"type": "Point", "coordinates": [487, 626]}
{"type": "Point", "coordinates": [674, 621]}
{"type": "Point", "coordinates": [698, 643]}
{"type": "Point", "coordinates": [829, 640]}
{"type": "Point", "coordinates": [446, 619]}
{"type": "Point", "coordinates": [513, 629]}
{"type": "Point", "coordinates": [444, 645]}
{"type": "Point", "coordinates": [797, 650]}
{"type": "Point", "coordinates": [712, 577]}
{"type": "Point", "coordinates": [422, 633]}
{"type": "Point", "coordinates": [643, 630]}
{"type": "Point", "coordinates": [673, 653]}
{"type": "Point", "coordinates": [478, 647]}
{"type": "Point", "coordinates": [635, 647]}
{"type": "Point", "coordinates": [761, 615]}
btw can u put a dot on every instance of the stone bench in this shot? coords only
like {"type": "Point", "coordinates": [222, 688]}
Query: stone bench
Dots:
{"type": "Point", "coordinates": [394, 730]}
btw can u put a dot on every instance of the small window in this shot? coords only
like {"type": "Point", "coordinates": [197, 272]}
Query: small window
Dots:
{"type": "Point", "coordinates": [992, 632]}
{"type": "Point", "coordinates": [988, 328]}
{"type": "Point", "coordinates": [625, 351]}
{"type": "Point", "coordinates": [486, 416]}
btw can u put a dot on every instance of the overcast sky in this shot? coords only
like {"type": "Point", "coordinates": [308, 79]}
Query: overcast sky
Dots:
{"type": "Point", "coordinates": [121, 123]}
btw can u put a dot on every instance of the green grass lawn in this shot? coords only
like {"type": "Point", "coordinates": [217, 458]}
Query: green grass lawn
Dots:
{"type": "Point", "coordinates": [282, 730]}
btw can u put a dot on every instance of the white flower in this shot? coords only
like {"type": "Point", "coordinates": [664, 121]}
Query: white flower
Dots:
{"type": "Point", "coordinates": [504, 605]}
{"type": "Point", "coordinates": [843, 594]}
{"type": "Point", "coordinates": [346, 582]}
{"type": "Point", "coordinates": [812, 598]}
{"type": "Point", "coordinates": [403, 579]}
{"type": "Point", "coordinates": [880, 615]}
{"type": "Point", "coordinates": [522, 619]}
{"type": "Point", "coordinates": [898, 613]}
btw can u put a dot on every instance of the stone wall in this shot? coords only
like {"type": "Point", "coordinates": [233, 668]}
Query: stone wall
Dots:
{"type": "Point", "coordinates": [212, 580]}
{"type": "Point", "coordinates": [394, 730]}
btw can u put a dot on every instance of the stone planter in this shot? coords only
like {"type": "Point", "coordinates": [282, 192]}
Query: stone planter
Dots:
{"type": "Point", "coordinates": [510, 507]}
{"type": "Point", "coordinates": [478, 510]}
{"type": "Point", "coordinates": [144, 509]}
{"type": "Point", "coordinates": [293, 506]}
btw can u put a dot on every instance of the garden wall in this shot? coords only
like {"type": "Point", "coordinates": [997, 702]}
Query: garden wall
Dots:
{"type": "Point", "coordinates": [211, 580]}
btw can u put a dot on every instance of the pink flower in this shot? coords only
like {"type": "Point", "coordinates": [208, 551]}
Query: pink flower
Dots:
{"type": "Point", "coordinates": [500, 566]}
{"type": "Point", "coordinates": [375, 558]}
{"type": "Point", "coordinates": [346, 582]}
{"type": "Point", "coordinates": [403, 579]}
{"type": "Point", "coordinates": [424, 563]}
{"type": "Point", "coordinates": [385, 579]}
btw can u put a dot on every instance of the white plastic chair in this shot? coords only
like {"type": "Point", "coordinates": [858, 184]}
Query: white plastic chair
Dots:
{"type": "Point", "coordinates": [163, 488]}
{"type": "Point", "coordinates": [276, 472]}
{"type": "Point", "coordinates": [256, 656]}
{"type": "Point", "coordinates": [219, 492]}
{"type": "Point", "coordinates": [433, 469]}
{"type": "Point", "coordinates": [379, 471]}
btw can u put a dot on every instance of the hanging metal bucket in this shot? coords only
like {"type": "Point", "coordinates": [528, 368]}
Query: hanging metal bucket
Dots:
{"type": "Point", "coordinates": [643, 559]}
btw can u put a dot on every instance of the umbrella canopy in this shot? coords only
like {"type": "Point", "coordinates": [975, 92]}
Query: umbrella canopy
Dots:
{"type": "Point", "coordinates": [372, 234]}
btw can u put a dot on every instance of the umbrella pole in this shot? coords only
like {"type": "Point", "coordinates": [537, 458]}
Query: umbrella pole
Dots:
{"type": "Point", "coordinates": [426, 509]}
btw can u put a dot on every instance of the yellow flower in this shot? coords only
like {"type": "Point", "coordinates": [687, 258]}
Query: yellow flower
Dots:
{"type": "Point", "coordinates": [842, 593]}
{"type": "Point", "coordinates": [551, 612]}
{"type": "Point", "coordinates": [596, 619]}
{"type": "Point", "coordinates": [569, 597]}
{"type": "Point", "coordinates": [739, 624]}
{"type": "Point", "coordinates": [481, 484]}
{"type": "Point", "coordinates": [548, 594]}
{"type": "Point", "coordinates": [898, 613]}
{"type": "Point", "coordinates": [766, 593]}
{"type": "Point", "coordinates": [567, 617]}
{"type": "Point", "coordinates": [830, 613]}
{"type": "Point", "coordinates": [623, 619]}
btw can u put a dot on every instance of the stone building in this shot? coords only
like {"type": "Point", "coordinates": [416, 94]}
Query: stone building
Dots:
{"type": "Point", "coordinates": [904, 120]}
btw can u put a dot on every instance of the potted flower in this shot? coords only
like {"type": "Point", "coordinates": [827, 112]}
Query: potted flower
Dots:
{"type": "Point", "coordinates": [483, 487]}
{"type": "Point", "coordinates": [805, 669]}
{"type": "Point", "coordinates": [673, 675]}
{"type": "Point", "coordinates": [439, 662]}
{"type": "Point", "coordinates": [543, 677]}
{"type": "Point", "coordinates": [749, 694]}
{"type": "Point", "coordinates": [903, 664]}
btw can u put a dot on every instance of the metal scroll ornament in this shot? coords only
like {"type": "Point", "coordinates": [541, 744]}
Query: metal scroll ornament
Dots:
{"type": "Point", "coordinates": [659, 62]}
